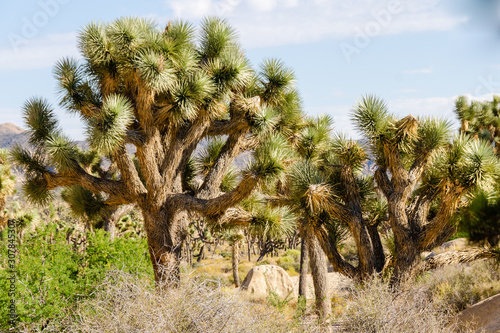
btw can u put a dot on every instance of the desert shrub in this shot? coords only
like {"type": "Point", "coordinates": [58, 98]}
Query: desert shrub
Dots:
{"type": "Point", "coordinates": [375, 308]}
{"type": "Point", "coordinates": [295, 254]}
{"type": "Point", "coordinates": [285, 262]}
{"type": "Point", "coordinates": [266, 261]}
{"type": "Point", "coordinates": [226, 254]}
{"type": "Point", "coordinates": [290, 261]}
{"type": "Point", "coordinates": [461, 285]}
{"type": "Point", "coordinates": [53, 275]}
{"type": "Point", "coordinates": [133, 306]}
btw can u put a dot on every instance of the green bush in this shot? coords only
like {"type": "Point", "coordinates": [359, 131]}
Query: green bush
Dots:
{"type": "Point", "coordinates": [290, 261]}
{"type": "Point", "coordinates": [225, 254]}
{"type": "Point", "coordinates": [53, 274]}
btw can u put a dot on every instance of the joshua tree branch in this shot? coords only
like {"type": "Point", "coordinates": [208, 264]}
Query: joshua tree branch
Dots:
{"type": "Point", "coordinates": [383, 182]}
{"type": "Point", "coordinates": [128, 172]}
{"type": "Point", "coordinates": [225, 127]}
{"type": "Point", "coordinates": [334, 257]}
{"type": "Point", "coordinates": [230, 150]}
{"type": "Point", "coordinates": [439, 227]}
{"type": "Point", "coordinates": [214, 208]}
{"type": "Point", "coordinates": [116, 190]}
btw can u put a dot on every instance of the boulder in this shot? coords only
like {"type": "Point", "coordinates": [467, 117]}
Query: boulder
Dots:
{"type": "Point", "coordinates": [481, 317]}
{"type": "Point", "coordinates": [266, 278]}
{"type": "Point", "coordinates": [454, 244]}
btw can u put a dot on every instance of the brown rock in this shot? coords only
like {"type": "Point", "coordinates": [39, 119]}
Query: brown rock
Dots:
{"type": "Point", "coordinates": [481, 317]}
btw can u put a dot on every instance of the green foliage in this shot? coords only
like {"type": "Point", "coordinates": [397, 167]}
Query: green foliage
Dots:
{"type": "Point", "coordinates": [370, 116]}
{"type": "Point", "coordinates": [40, 119]}
{"type": "Point", "coordinates": [276, 80]}
{"type": "Point", "coordinates": [7, 180]}
{"type": "Point", "coordinates": [230, 180]}
{"type": "Point", "coordinates": [106, 131]}
{"type": "Point", "coordinates": [314, 138]}
{"type": "Point", "coordinates": [270, 158]}
{"type": "Point", "coordinates": [272, 222]}
{"type": "Point", "coordinates": [83, 202]}
{"type": "Point", "coordinates": [63, 152]}
{"type": "Point", "coordinates": [209, 154]}
{"type": "Point", "coordinates": [277, 301]}
{"type": "Point", "coordinates": [290, 261]}
{"type": "Point", "coordinates": [52, 275]}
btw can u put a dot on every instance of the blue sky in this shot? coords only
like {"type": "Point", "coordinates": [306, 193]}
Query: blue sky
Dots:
{"type": "Point", "coordinates": [416, 54]}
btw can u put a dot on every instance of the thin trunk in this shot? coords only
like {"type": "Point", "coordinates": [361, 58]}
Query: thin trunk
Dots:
{"type": "Point", "coordinates": [249, 252]}
{"type": "Point", "coordinates": [319, 272]}
{"type": "Point", "coordinates": [304, 262]}
{"type": "Point", "coordinates": [216, 242]}
{"type": "Point", "coordinates": [110, 228]}
{"type": "Point", "coordinates": [201, 253]}
{"type": "Point", "coordinates": [236, 262]}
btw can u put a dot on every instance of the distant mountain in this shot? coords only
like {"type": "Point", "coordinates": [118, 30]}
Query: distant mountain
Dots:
{"type": "Point", "coordinates": [11, 134]}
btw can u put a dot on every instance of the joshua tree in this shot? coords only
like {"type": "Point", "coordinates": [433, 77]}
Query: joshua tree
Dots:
{"type": "Point", "coordinates": [416, 164]}
{"type": "Point", "coordinates": [162, 91]}
{"type": "Point", "coordinates": [299, 193]}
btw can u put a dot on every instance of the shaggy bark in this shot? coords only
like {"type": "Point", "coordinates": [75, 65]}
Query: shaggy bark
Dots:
{"type": "Point", "coordinates": [319, 272]}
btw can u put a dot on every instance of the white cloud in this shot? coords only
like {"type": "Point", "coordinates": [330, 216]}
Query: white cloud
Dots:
{"type": "Point", "coordinates": [429, 106]}
{"type": "Point", "coordinates": [279, 22]}
{"type": "Point", "coordinates": [417, 71]}
{"type": "Point", "coordinates": [38, 53]}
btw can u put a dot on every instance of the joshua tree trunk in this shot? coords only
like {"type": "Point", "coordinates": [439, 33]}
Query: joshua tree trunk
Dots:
{"type": "Point", "coordinates": [236, 262]}
{"type": "Point", "coordinates": [165, 245]}
{"type": "Point", "coordinates": [304, 262]}
{"type": "Point", "coordinates": [319, 272]}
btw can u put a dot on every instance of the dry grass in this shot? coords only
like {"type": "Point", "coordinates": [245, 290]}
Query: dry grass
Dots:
{"type": "Point", "coordinates": [375, 308]}
{"type": "Point", "coordinates": [130, 304]}
{"type": "Point", "coordinates": [461, 285]}
{"type": "Point", "coordinates": [134, 306]}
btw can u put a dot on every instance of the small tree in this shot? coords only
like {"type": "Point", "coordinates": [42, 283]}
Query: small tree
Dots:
{"type": "Point", "coordinates": [301, 193]}
{"type": "Point", "coordinates": [162, 91]}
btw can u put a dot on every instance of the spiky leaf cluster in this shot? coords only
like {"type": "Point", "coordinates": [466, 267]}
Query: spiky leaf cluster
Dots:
{"type": "Point", "coordinates": [83, 202]}
{"type": "Point", "coordinates": [411, 138]}
{"type": "Point", "coordinates": [479, 119]}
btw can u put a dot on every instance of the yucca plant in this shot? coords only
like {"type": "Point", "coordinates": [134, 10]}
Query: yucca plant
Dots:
{"type": "Point", "coordinates": [163, 90]}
